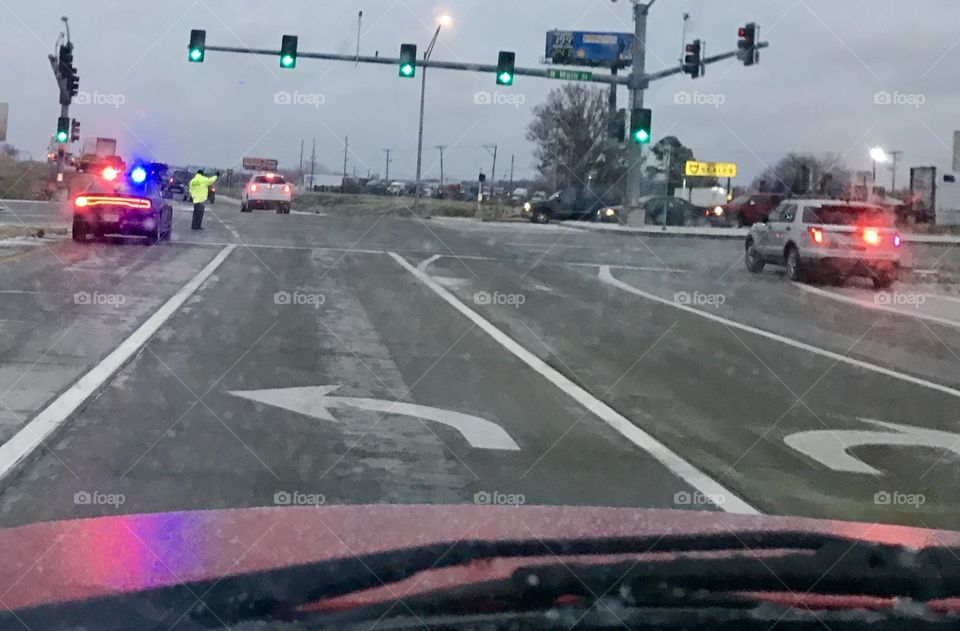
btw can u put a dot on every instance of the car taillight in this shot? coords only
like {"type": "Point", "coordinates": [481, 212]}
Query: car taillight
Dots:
{"type": "Point", "coordinates": [871, 236]}
{"type": "Point", "coordinates": [286, 189]}
{"type": "Point", "coordinates": [897, 241]}
{"type": "Point", "coordinates": [817, 235]}
{"type": "Point", "coordinates": [109, 173]}
{"type": "Point", "coordinates": [253, 188]}
{"type": "Point", "coordinates": [86, 201]}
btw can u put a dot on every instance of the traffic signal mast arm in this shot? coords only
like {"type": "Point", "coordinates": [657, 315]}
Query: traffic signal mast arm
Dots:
{"type": "Point", "coordinates": [543, 73]}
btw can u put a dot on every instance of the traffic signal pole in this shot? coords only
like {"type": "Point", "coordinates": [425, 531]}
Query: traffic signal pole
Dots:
{"type": "Point", "coordinates": [638, 82]}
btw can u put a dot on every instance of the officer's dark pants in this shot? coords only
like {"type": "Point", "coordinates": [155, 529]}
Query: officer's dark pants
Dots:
{"type": "Point", "coordinates": [197, 216]}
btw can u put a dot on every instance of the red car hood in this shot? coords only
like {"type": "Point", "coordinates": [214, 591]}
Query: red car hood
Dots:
{"type": "Point", "coordinates": [79, 559]}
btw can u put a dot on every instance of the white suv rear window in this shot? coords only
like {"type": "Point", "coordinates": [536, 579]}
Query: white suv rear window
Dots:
{"type": "Point", "coordinates": [276, 179]}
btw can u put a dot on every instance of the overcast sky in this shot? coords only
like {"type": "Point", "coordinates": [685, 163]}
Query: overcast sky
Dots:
{"type": "Point", "coordinates": [814, 90]}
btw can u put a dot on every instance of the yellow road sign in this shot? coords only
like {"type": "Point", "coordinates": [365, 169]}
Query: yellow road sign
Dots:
{"type": "Point", "coordinates": [711, 169]}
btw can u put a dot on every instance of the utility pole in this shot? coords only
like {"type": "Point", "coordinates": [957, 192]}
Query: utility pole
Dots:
{"type": "Point", "coordinates": [346, 149]}
{"type": "Point", "coordinates": [313, 165]}
{"type": "Point", "coordinates": [441, 148]}
{"type": "Point", "coordinates": [492, 149]}
{"type": "Point", "coordinates": [423, 103]}
{"type": "Point", "coordinates": [512, 158]}
{"type": "Point", "coordinates": [301, 160]}
{"type": "Point", "coordinates": [638, 83]}
{"type": "Point", "coordinates": [894, 159]}
{"type": "Point", "coordinates": [387, 176]}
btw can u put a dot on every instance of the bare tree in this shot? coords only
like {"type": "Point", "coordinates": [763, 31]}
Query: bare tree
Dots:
{"type": "Point", "coordinates": [570, 131]}
{"type": "Point", "coordinates": [800, 174]}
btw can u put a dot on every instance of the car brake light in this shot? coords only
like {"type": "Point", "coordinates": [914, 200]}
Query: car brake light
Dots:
{"type": "Point", "coordinates": [109, 173]}
{"type": "Point", "coordinates": [286, 189]}
{"type": "Point", "coordinates": [253, 188]}
{"type": "Point", "coordinates": [817, 235]}
{"type": "Point", "coordinates": [897, 241]}
{"type": "Point", "coordinates": [85, 201]}
{"type": "Point", "coordinates": [270, 176]}
{"type": "Point", "coordinates": [871, 236]}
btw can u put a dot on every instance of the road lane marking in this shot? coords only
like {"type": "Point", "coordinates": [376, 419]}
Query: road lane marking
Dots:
{"type": "Point", "coordinates": [425, 263]}
{"type": "Point", "coordinates": [16, 450]}
{"type": "Point", "coordinates": [670, 460]}
{"type": "Point", "coordinates": [314, 401]}
{"type": "Point", "coordinates": [878, 307]}
{"type": "Point", "coordinates": [607, 277]}
{"type": "Point", "coordinates": [829, 447]}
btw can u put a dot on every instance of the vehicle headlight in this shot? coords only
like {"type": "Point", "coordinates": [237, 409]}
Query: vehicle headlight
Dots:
{"type": "Point", "coordinates": [609, 212]}
{"type": "Point", "coordinates": [718, 211]}
{"type": "Point", "coordinates": [527, 207]}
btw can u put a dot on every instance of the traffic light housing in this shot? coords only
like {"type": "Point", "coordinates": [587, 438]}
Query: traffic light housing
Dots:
{"type": "Point", "coordinates": [63, 129]}
{"type": "Point", "coordinates": [747, 44]}
{"type": "Point", "coordinates": [75, 131]}
{"type": "Point", "coordinates": [198, 46]}
{"type": "Point", "coordinates": [693, 61]}
{"type": "Point", "coordinates": [617, 128]}
{"type": "Point", "coordinates": [640, 126]}
{"type": "Point", "coordinates": [288, 51]}
{"type": "Point", "coordinates": [506, 66]}
{"type": "Point", "coordinates": [68, 72]}
{"type": "Point", "coordinates": [408, 60]}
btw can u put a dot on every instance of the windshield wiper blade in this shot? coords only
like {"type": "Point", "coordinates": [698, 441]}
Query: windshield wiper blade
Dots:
{"type": "Point", "coordinates": [278, 593]}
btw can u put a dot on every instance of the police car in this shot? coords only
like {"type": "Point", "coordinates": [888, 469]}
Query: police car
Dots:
{"type": "Point", "coordinates": [125, 204]}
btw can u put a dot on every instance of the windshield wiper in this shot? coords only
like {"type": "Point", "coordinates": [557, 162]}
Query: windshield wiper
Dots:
{"type": "Point", "coordinates": [830, 564]}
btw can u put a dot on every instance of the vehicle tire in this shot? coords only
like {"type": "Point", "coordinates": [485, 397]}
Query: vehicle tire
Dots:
{"type": "Point", "coordinates": [540, 216]}
{"type": "Point", "coordinates": [752, 258]}
{"type": "Point", "coordinates": [883, 280]}
{"type": "Point", "coordinates": [245, 208]}
{"type": "Point", "coordinates": [79, 231]}
{"type": "Point", "coordinates": [212, 198]}
{"type": "Point", "coordinates": [795, 271]}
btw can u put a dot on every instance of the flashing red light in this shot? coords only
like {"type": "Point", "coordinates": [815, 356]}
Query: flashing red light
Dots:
{"type": "Point", "coordinates": [109, 173]}
{"type": "Point", "coordinates": [871, 236]}
{"type": "Point", "coordinates": [741, 32]}
{"type": "Point", "coordinates": [86, 201]}
{"type": "Point", "coordinates": [817, 235]}
{"type": "Point", "coordinates": [897, 241]}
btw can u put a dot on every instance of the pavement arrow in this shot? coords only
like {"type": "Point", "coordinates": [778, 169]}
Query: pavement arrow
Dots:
{"type": "Point", "coordinates": [830, 446]}
{"type": "Point", "coordinates": [316, 401]}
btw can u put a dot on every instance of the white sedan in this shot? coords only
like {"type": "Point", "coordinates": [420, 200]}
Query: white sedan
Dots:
{"type": "Point", "coordinates": [266, 191]}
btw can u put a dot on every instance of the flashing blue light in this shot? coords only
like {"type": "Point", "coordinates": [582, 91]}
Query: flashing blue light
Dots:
{"type": "Point", "coordinates": [138, 175]}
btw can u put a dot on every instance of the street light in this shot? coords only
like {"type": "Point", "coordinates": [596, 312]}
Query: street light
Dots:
{"type": "Point", "coordinates": [443, 20]}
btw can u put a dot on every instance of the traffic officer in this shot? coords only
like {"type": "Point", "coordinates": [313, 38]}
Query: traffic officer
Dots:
{"type": "Point", "coordinates": [199, 192]}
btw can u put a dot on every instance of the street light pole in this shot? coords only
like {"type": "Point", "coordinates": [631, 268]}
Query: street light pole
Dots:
{"type": "Point", "coordinates": [638, 83]}
{"type": "Point", "coordinates": [423, 97]}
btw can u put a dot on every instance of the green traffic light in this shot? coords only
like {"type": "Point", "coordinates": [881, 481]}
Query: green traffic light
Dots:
{"type": "Point", "coordinates": [196, 54]}
{"type": "Point", "coordinates": [642, 136]}
{"type": "Point", "coordinates": [506, 78]}
{"type": "Point", "coordinates": [61, 136]}
{"type": "Point", "coordinates": [288, 61]}
{"type": "Point", "coordinates": [407, 70]}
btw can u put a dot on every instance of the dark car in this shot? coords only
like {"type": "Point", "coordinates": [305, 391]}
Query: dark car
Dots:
{"type": "Point", "coordinates": [129, 206]}
{"type": "Point", "coordinates": [679, 212]}
{"type": "Point", "coordinates": [745, 210]}
{"type": "Point", "coordinates": [178, 183]}
{"type": "Point", "coordinates": [581, 205]}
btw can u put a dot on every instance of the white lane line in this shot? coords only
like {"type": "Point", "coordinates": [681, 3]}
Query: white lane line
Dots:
{"type": "Point", "coordinates": [673, 462]}
{"type": "Point", "coordinates": [608, 278]}
{"type": "Point", "coordinates": [632, 268]}
{"type": "Point", "coordinates": [424, 264]}
{"type": "Point", "coordinates": [942, 297]}
{"type": "Point", "coordinates": [915, 313]}
{"type": "Point", "coordinates": [17, 449]}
